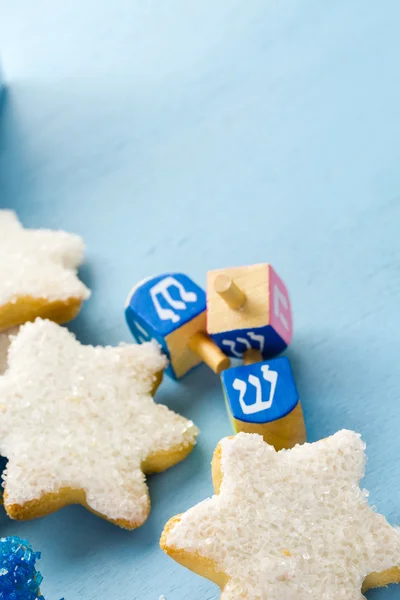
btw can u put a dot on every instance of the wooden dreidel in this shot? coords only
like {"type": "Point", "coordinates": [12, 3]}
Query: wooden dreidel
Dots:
{"type": "Point", "coordinates": [171, 309]}
{"type": "Point", "coordinates": [262, 398]}
{"type": "Point", "coordinates": [248, 307]}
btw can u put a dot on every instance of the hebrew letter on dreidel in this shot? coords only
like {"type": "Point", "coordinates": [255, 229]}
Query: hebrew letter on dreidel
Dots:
{"type": "Point", "coordinates": [272, 377]}
{"type": "Point", "coordinates": [233, 344]}
{"type": "Point", "coordinates": [259, 404]}
{"type": "Point", "coordinates": [143, 335]}
{"type": "Point", "coordinates": [161, 289]}
{"type": "Point", "coordinates": [257, 338]}
{"type": "Point", "coordinates": [280, 298]}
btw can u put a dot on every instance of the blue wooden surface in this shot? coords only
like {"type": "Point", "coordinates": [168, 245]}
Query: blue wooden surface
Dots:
{"type": "Point", "coordinates": [193, 135]}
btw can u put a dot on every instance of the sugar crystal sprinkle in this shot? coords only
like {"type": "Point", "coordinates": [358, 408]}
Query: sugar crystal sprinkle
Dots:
{"type": "Point", "coordinates": [19, 579]}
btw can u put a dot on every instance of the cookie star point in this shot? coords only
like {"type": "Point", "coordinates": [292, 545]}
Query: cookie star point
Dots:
{"type": "Point", "coordinates": [85, 427]}
{"type": "Point", "coordinates": [38, 273]}
{"type": "Point", "coordinates": [288, 524]}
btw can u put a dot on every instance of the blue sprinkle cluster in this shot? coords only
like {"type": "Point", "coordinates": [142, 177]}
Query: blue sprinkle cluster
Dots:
{"type": "Point", "coordinates": [19, 579]}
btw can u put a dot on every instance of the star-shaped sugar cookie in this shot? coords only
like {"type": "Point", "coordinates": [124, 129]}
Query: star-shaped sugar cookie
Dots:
{"type": "Point", "coordinates": [78, 424]}
{"type": "Point", "coordinates": [5, 340]}
{"type": "Point", "coordinates": [38, 273]}
{"type": "Point", "coordinates": [288, 525]}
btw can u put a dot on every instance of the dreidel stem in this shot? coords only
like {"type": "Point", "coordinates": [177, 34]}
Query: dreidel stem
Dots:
{"type": "Point", "coordinates": [229, 291]}
{"type": "Point", "coordinates": [209, 352]}
{"type": "Point", "coordinates": [252, 356]}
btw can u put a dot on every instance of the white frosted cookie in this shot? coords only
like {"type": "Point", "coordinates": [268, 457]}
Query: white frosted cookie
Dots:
{"type": "Point", "coordinates": [78, 424]}
{"type": "Point", "coordinates": [287, 525]}
{"type": "Point", "coordinates": [38, 273]}
{"type": "Point", "coordinates": [5, 341]}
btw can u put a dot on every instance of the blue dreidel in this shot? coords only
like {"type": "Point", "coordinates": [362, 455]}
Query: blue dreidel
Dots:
{"type": "Point", "coordinates": [248, 308]}
{"type": "Point", "coordinates": [171, 309]}
{"type": "Point", "coordinates": [262, 398]}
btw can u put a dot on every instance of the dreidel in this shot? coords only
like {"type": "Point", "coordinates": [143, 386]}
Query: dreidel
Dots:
{"type": "Point", "coordinates": [248, 308]}
{"type": "Point", "coordinates": [171, 309]}
{"type": "Point", "coordinates": [261, 397]}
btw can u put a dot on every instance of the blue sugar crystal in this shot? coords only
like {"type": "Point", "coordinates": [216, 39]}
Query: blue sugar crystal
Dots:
{"type": "Point", "coordinates": [19, 579]}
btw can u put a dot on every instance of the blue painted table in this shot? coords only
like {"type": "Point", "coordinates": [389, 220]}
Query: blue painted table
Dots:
{"type": "Point", "coordinates": [193, 135]}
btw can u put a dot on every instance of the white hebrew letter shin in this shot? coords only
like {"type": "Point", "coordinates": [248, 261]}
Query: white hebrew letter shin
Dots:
{"type": "Point", "coordinates": [260, 404]}
{"type": "Point", "coordinates": [235, 350]}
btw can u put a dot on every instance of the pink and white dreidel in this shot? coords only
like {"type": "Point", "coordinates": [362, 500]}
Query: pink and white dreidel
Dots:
{"type": "Point", "coordinates": [248, 311]}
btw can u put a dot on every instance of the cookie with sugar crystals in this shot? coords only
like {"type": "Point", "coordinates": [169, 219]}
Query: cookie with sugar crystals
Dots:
{"type": "Point", "coordinates": [38, 273]}
{"type": "Point", "coordinates": [78, 425]}
{"type": "Point", "coordinates": [5, 340]}
{"type": "Point", "coordinates": [287, 524]}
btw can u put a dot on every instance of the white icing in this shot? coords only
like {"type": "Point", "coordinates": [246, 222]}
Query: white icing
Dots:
{"type": "Point", "coordinates": [38, 262]}
{"type": "Point", "coordinates": [4, 344]}
{"type": "Point", "coordinates": [292, 524]}
{"type": "Point", "coordinates": [83, 417]}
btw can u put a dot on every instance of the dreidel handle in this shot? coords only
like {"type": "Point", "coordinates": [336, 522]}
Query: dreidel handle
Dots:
{"type": "Point", "coordinates": [229, 291]}
{"type": "Point", "coordinates": [252, 356]}
{"type": "Point", "coordinates": [202, 344]}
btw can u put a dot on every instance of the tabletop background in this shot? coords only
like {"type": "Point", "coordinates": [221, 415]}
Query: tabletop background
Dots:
{"type": "Point", "coordinates": [195, 135]}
